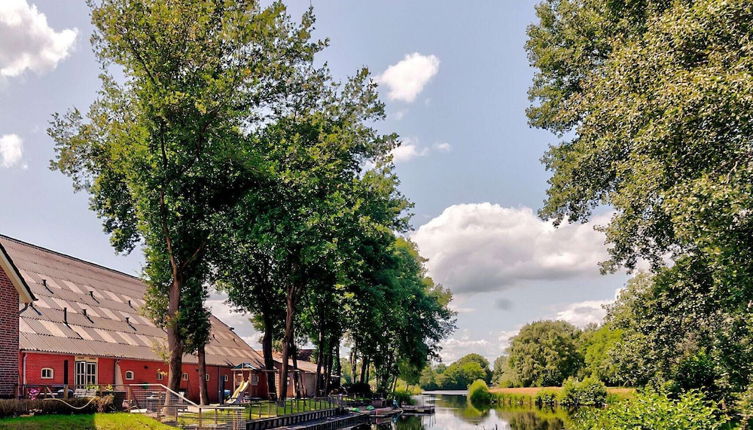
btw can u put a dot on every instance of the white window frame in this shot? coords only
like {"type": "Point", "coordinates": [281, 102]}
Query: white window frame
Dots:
{"type": "Point", "coordinates": [52, 373]}
{"type": "Point", "coordinates": [131, 374]}
{"type": "Point", "coordinates": [160, 376]}
{"type": "Point", "coordinates": [254, 379]}
{"type": "Point", "coordinates": [225, 378]}
{"type": "Point", "coordinates": [85, 373]}
{"type": "Point", "coordinates": [184, 376]}
{"type": "Point", "coordinates": [206, 376]}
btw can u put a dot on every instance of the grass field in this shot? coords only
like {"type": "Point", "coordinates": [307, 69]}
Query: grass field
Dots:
{"type": "Point", "coordinates": [114, 421]}
{"type": "Point", "coordinates": [620, 392]}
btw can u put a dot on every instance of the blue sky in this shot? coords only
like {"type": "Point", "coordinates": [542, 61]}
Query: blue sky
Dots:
{"type": "Point", "coordinates": [454, 78]}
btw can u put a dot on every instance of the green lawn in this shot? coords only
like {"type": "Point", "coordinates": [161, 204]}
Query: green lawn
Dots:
{"type": "Point", "coordinates": [113, 421]}
{"type": "Point", "coordinates": [267, 409]}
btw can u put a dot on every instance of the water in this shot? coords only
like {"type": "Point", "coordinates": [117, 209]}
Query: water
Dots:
{"type": "Point", "coordinates": [454, 413]}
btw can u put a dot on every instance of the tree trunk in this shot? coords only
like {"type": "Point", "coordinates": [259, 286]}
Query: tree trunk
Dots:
{"type": "Point", "coordinates": [319, 363]}
{"type": "Point", "coordinates": [354, 365]}
{"type": "Point", "coordinates": [296, 373]}
{"type": "Point", "coordinates": [174, 340]}
{"type": "Point", "coordinates": [364, 366]}
{"type": "Point", "coordinates": [328, 371]}
{"type": "Point", "coordinates": [287, 340]}
{"type": "Point", "coordinates": [269, 361]}
{"type": "Point", "coordinates": [338, 365]}
{"type": "Point", "coordinates": [203, 393]}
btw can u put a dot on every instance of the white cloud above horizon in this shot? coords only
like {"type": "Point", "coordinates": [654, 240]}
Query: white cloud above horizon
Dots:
{"type": "Point", "coordinates": [11, 150]}
{"type": "Point", "coordinates": [407, 78]}
{"type": "Point", "coordinates": [482, 247]}
{"type": "Point", "coordinates": [411, 148]}
{"type": "Point", "coordinates": [463, 343]}
{"type": "Point", "coordinates": [27, 42]}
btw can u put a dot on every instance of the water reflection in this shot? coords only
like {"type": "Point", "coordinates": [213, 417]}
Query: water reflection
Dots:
{"type": "Point", "coordinates": [453, 412]}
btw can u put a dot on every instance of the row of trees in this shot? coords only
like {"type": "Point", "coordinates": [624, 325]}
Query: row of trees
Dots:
{"type": "Point", "coordinates": [651, 99]}
{"type": "Point", "coordinates": [456, 376]}
{"type": "Point", "coordinates": [220, 146]}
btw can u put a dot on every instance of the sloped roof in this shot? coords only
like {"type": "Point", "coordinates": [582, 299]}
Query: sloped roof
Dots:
{"type": "Point", "coordinates": [113, 326]}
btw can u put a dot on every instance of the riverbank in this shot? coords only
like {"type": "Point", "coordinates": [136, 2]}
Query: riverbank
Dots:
{"type": "Point", "coordinates": [526, 396]}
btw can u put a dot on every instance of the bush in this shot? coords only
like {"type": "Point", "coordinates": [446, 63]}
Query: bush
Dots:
{"type": "Point", "coordinates": [546, 398]}
{"type": "Point", "coordinates": [589, 392]}
{"type": "Point", "coordinates": [655, 411]}
{"type": "Point", "coordinates": [745, 409]}
{"type": "Point", "coordinates": [403, 397]}
{"type": "Point", "coordinates": [13, 407]}
{"type": "Point", "coordinates": [478, 393]}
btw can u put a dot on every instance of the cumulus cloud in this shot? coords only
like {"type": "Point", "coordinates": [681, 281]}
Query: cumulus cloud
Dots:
{"type": "Point", "coordinates": [411, 148]}
{"type": "Point", "coordinates": [408, 150]}
{"type": "Point", "coordinates": [27, 42]}
{"type": "Point", "coordinates": [486, 247]}
{"type": "Point", "coordinates": [407, 78]}
{"type": "Point", "coordinates": [463, 343]}
{"type": "Point", "coordinates": [11, 150]}
{"type": "Point", "coordinates": [584, 313]}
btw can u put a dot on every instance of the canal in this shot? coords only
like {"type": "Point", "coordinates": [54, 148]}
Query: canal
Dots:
{"type": "Point", "coordinates": [453, 412]}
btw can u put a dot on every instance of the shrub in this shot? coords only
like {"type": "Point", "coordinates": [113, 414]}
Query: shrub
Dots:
{"type": "Point", "coordinates": [403, 397]}
{"type": "Point", "coordinates": [478, 393]}
{"type": "Point", "coordinates": [745, 409]}
{"type": "Point", "coordinates": [655, 411]}
{"type": "Point", "coordinates": [546, 398]}
{"type": "Point", "coordinates": [588, 392]}
{"type": "Point", "coordinates": [13, 407]}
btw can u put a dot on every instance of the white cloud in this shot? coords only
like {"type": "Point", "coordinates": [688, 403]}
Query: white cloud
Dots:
{"type": "Point", "coordinates": [443, 147]}
{"type": "Point", "coordinates": [408, 150]}
{"type": "Point", "coordinates": [486, 247]}
{"type": "Point", "coordinates": [411, 148]}
{"type": "Point", "coordinates": [583, 313]}
{"type": "Point", "coordinates": [406, 79]}
{"type": "Point", "coordinates": [11, 150]}
{"type": "Point", "coordinates": [463, 344]}
{"type": "Point", "coordinates": [27, 42]}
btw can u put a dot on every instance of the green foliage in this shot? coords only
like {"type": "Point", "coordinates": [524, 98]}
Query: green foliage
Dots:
{"type": "Point", "coordinates": [651, 98]}
{"type": "Point", "coordinates": [598, 347]}
{"type": "Point", "coordinates": [403, 397]}
{"type": "Point", "coordinates": [547, 397]}
{"type": "Point", "coordinates": [588, 392]}
{"type": "Point", "coordinates": [744, 409]}
{"type": "Point", "coordinates": [14, 407]}
{"type": "Point", "coordinates": [478, 393]}
{"type": "Point", "coordinates": [544, 353]}
{"type": "Point", "coordinates": [456, 376]}
{"type": "Point", "coordinates": [655, 411]}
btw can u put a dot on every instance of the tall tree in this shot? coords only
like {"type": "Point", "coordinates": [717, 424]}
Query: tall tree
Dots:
{"type": "Point", "coordinates": [168, 149]}
{"type": "Point", "coordinates": [545, 353]}
{"type": "Point", "coordinates": [652, 100]}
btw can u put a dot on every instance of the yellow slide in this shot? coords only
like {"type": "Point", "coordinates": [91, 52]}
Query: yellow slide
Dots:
{"type": "Point", "coordinates": [241, 388]}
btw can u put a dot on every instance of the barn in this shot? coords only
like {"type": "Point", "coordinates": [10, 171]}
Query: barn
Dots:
{"type": "Point", "coordinates": [73, 323]}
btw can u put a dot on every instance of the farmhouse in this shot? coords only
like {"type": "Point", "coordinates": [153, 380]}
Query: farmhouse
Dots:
{"type": "Point", "coordinates": [70, 322]}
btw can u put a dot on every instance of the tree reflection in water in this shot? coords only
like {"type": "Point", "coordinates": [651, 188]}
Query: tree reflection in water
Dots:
{"type": "Point", "coordinates": [453, 412]}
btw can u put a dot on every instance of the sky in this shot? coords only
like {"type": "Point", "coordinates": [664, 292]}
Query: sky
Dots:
{"type": "Point", "coordinates": [454, 78]}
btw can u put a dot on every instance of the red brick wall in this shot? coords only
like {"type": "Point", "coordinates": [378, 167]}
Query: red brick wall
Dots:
{"type": "Point", "coordinates": [36, 362]}
{"type": "Point", "coordinates": [144, 372]}
{"type": "Point", "coordinates": [8, 337]}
